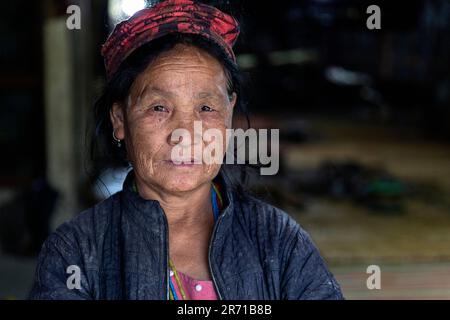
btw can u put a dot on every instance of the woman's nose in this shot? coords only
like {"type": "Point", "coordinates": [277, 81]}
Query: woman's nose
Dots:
{"type": "Point", "coordinates": [188, 132]}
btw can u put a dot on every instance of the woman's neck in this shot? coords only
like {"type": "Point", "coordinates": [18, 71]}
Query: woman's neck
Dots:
{"type": "Point", "coordinates": [181, 208]}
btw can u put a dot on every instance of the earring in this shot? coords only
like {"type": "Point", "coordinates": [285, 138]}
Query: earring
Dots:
{"type": "Point", "coordinates": [118, 141]}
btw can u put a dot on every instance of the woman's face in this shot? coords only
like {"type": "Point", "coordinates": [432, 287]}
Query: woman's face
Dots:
{"type": "Point", "coordinates": [180, 86]}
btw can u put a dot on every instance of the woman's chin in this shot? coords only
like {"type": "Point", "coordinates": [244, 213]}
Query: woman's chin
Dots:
{"type": "Point", "coordinates": [179, 178]}
{"type": "Point", "coordinates": [184, 179]}
{"type": "Point", "coordinates": [182, 184]}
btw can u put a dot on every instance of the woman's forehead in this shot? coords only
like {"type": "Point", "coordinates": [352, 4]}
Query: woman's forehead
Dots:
{"type": "Point", "coordinates": [182, 51]}
{"type": "Point", "coordinates": [185, 58]}
{"type": "Point", "coordinates": [183, 67]}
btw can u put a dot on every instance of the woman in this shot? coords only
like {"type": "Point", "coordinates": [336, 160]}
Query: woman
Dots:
{"type": "Point", "coordinates": [177, 230]}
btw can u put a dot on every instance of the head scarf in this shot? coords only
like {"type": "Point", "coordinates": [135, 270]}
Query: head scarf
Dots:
{"type": "Point", "coordinates": [183, 16]}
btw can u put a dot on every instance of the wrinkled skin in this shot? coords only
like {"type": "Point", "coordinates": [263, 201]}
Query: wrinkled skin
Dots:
{"type": "Point", "coordinates": [180, 86]}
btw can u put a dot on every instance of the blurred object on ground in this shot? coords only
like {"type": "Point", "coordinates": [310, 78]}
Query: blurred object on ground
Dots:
{"type": "Point", "coordinates": [398, 281]}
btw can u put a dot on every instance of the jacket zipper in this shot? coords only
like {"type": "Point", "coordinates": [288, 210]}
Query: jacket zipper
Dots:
{"type": "Point", "coordinates": [167, 254]}
{"type": "Point", "coordinates": [209, 254]}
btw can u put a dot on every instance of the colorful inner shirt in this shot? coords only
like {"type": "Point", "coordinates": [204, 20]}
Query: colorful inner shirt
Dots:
{"type": "Point", "coordinates": [195, 289]}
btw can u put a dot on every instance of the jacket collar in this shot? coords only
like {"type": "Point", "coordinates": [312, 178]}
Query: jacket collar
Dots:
{"type": "Point", "coordinates": [148, 213]}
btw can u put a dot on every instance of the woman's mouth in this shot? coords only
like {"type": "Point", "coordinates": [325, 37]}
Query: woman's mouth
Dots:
{"type": "Point", "coordinates": [184, 162]}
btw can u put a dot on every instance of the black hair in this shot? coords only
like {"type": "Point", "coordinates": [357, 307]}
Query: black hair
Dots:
{"type": "Point", "coordinates": [103, 151]}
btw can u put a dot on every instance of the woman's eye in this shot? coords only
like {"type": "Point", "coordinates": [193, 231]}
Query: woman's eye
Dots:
{"type": "Point", "coordinates": [206, 109]}
{"type": "Point", "coordinates": [159, 108]}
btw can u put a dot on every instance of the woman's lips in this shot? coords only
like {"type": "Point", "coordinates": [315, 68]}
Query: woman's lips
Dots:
{"type": "Point", "coordinates": [183, 163]}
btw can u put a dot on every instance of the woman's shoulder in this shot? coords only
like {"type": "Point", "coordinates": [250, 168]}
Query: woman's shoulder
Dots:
{"type": "Point", "coordinates": [90, 225]}
{"type": "Point", "coordinates": [76, 244]}
{"type": "Point", "coordinates": [259, 214]}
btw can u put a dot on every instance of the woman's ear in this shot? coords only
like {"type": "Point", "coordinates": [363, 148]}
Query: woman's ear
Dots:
{"type": "Point", "coordinates": [233, 99]}
{"type": "Point", "coordinates": [117, 120]}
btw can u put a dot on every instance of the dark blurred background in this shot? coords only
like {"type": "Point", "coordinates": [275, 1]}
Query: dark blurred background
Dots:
{"type": "Point", "coordinates": [364, 119]}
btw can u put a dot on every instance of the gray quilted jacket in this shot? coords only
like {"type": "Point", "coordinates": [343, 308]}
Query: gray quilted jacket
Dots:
{"type": "Point", "coordinates": [120, 247]}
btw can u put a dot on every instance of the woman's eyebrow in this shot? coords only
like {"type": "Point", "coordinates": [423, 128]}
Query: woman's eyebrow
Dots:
{"type": "Point", "coordinates": [151, 89]}
{"type": "Point", "coordinates": [207, 94]}
{"type": "Point", "coordinates": [159, 91]}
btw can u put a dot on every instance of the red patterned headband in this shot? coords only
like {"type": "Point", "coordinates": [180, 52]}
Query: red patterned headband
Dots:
{"type": "Point", "coordinates": [183, 16]}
